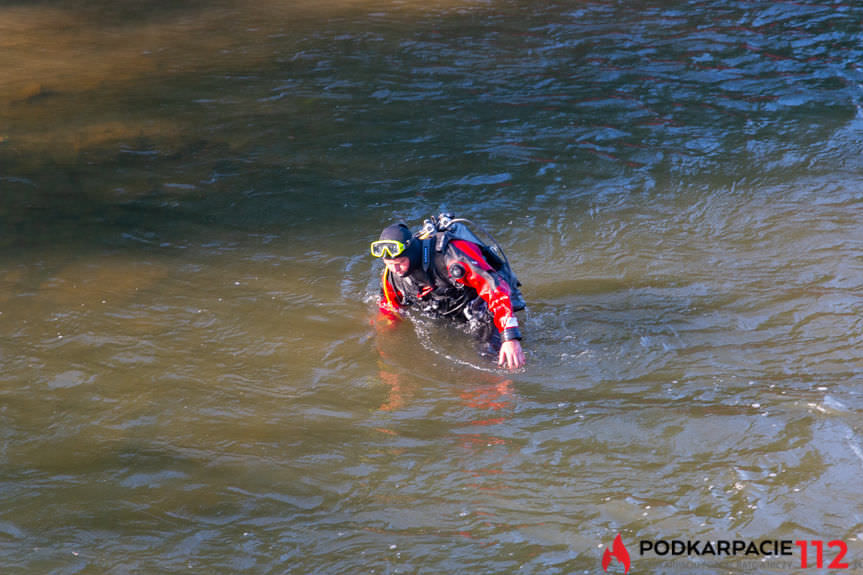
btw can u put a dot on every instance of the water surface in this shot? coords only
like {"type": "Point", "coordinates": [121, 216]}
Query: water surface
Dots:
{"type": "Point", "coordinates": [193, 378]}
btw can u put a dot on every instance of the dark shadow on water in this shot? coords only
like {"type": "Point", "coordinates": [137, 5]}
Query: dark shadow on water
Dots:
{"type": "Point", "coordinates": [118, 12]}
{"type": "Point", "coordinates": [351, 116]}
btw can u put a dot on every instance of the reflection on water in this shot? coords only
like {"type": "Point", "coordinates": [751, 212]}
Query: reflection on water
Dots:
{"type": "Point", "coordinates": [192, 378]}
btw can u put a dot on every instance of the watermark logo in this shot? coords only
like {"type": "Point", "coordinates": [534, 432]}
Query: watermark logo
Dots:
{"type": "Point", "coordinates": [619, 552]}
{"type": "Point", "coordinates": [817, 554]}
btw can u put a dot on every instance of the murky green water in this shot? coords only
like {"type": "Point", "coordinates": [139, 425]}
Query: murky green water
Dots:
{"type": "Point", "coordinates": [191, 378]}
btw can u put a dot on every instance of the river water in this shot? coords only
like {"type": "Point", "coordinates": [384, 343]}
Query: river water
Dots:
{"type": "Point", "coordinates": [193, 378]}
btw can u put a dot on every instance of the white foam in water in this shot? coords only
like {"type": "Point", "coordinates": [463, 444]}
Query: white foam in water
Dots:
{"type": "Point", "coordinates": [855, 448]}
{"type": "Point", "coordinates": [831, 402]}
{"type": "Point", "coordinates": [424, 336]}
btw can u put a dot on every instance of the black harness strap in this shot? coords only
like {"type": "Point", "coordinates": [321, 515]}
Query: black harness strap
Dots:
{"type": "Point", "coordinates": [427, 254]}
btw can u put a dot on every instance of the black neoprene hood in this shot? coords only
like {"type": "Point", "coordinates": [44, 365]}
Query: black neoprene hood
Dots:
{"type": "Point", "coordinates": [401, 233]}
{"type": "Point", "coordinates": [398, 232]}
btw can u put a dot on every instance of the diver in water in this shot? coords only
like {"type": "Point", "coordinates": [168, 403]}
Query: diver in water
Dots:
{"type": "Point", "coordinates": [445, 275]}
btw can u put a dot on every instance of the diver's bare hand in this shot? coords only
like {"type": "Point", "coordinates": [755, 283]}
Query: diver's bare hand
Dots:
{"type": "Point", "coordinates": [511, 356]}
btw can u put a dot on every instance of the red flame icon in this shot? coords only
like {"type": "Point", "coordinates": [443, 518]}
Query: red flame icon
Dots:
{"type": "Point", "coordinates": [619, 552]}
